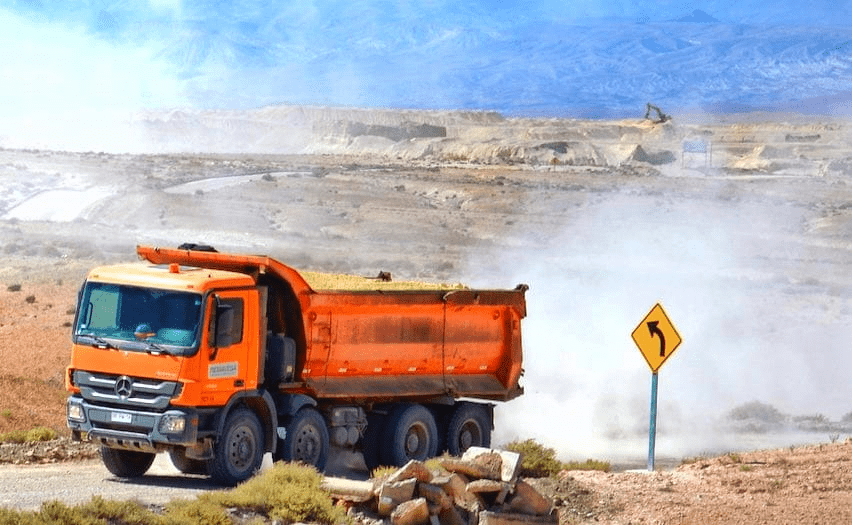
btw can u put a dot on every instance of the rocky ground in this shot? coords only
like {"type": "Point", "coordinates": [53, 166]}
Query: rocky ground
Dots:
{"type": "Point", "coordinates": [805, 484]}
{"type": "Point", "coordinates": [51, 451]}
{"type": "Point", "coordinates": [747, 240]}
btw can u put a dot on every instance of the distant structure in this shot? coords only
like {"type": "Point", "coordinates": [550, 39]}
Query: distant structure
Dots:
{"type": "Point", "coordinates": [661, 117]}
{"type": "Point", "coordinates": [697, 147]}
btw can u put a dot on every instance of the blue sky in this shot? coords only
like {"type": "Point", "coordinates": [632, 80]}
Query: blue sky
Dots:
{"type": "Point", "coordinates": [542, 58]}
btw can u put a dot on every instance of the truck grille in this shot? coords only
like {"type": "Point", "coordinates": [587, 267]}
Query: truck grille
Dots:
{"type": "Point", "coordinates": [126, 391]}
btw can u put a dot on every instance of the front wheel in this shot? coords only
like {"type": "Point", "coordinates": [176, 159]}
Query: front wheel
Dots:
{"type": "Point", "coordinates": [238, 452]}
{"type": "Point", "coordinates": [306, 440]}
{"type": "Point", "coordinates": [126, 463]}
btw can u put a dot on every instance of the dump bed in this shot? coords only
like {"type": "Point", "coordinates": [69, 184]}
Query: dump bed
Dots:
{"type": "Point", "coordinates": [384, 345]}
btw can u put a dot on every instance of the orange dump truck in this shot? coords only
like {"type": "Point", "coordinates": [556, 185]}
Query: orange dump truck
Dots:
{"type": "Point", "coordinates": [219, 358]}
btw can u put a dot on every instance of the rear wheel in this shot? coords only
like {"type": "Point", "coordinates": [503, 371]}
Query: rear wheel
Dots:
{"type": "Point", "coordinates": [126, 463]}
{"type": "Point", "coordinates": [470, 426]}
{"type": "Point", "coordinates": [306, 439]}
{"type": "Point", "coordinates": [238, 453]}
{"type": "Point", "coordinates": [410, 433]}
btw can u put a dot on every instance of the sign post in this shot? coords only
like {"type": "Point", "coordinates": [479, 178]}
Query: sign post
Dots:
{"type": "Point", "coordinates": [657, 339]}
{"type": "Point", "coordinates": [652, 427]}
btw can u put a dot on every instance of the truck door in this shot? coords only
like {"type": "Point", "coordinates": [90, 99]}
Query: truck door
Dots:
{"type": "Point", "coordinates": [229, 366]}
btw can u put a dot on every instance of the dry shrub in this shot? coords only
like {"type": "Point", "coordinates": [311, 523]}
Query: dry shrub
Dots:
{"type": "Point", "coordinates": [29, 436]}
{"type": "Point", "coordinates": [538, 461]}
{"type": "Point", "coordinates": [195, 512]}
{"type": "Point", "coordinates": [98, 511]}
{"type": "Point", "coordinates": [108, 511]}
{"type": "Point", "coordinates": [288, 492]}
{"type": "Point", "coordinates": [758, 411]}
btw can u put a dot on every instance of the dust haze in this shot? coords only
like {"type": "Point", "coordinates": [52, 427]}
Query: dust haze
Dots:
{"type": "Point", "coordinates": [746, 243]}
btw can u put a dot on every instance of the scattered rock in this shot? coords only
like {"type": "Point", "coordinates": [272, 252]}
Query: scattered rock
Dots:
{"type": "Point", "coordinates": [412, 495]}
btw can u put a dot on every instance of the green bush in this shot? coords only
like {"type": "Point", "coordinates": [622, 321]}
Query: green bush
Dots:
{"type": "Point", "coordinates": [29, 436]}
{"type": "Point", "coordinates": [589, 464]}
{"type": "Point", "coordinates": [287, 492]}
{"type": "Point", "coordinates": [124, 512]}
{"type": "Point", "coordinates": [756, 410]}
{"type": "Point", "coordinates": [195, 512]}
{"type": "Point", "coordinates": [538, 461]}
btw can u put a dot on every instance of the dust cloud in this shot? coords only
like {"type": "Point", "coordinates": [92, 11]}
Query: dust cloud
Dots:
{"type": "Point", "coordinates": [742, 287]}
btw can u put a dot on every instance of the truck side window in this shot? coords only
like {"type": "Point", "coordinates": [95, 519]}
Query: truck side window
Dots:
{"type": "Point", "coordinates": [237, 331]}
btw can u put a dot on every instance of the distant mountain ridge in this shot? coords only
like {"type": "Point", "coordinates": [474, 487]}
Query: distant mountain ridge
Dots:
{"type": "Point", "coordinates": [540, 59]}
{"type": "Point", "coordinates": [695, 63]}
{"type": "Point", "coordinates": [698, 17]}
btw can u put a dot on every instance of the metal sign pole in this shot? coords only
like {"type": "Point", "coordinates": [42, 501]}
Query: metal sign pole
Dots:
{"type": "Point", "coordinates": [657, 339]}
{"type": "Point", "coordinates": [652, 433]}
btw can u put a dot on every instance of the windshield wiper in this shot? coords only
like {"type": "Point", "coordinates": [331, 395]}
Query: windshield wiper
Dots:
{"type": "Point", "coordinates": [100, 342]}
{"type": "Point", "coordinates": [155, 349]}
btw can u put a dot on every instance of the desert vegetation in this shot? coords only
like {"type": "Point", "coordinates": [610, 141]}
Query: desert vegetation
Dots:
{"type": "Point", "coordinates": [286, 493]}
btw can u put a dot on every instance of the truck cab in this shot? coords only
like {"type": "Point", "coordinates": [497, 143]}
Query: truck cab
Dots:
{"type": "Point", "coordinates": [159, 351]}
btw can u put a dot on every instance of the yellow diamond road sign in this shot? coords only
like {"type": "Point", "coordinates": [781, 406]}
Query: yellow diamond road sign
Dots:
{"type": "Point", "coordinates": [656, 337]}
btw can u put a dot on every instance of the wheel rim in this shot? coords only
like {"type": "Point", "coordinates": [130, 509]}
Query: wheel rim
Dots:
{"type": "Point", "coordinates": [307, 446]}
{"type": "Point", "coordinates": [242, 448]}
{"type": "Point", "coordinates": [470, 435]}
{"type": "Point", "coordinates": [416, 442]}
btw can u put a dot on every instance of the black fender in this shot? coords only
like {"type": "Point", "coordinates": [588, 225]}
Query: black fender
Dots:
{"type": "Point", "coordinates": [289, 404]}
{"type": "Point", "coordinates": [259, 401]}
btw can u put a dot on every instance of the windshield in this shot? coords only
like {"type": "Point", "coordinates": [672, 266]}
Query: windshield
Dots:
{"type": "Point", "coordinates": [134, 318]}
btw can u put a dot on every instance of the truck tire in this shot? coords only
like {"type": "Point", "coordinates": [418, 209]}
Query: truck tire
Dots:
{"type": "Point", "coordinates": [410, 433]}
{"type": "Point", "coordinates": [188, 465]}
{"type": "Point", "coordinates": [470, 426]}
{"type": "Point", "coordinates": [126, 463]}
{"type": "Point", "coordinates": [306, 440]}
{"type": "Point", "coordinates": [238, 452]}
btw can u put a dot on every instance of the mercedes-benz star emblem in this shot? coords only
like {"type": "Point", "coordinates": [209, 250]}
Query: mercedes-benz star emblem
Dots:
{"type": "Point", "coordinates": [123, 387]}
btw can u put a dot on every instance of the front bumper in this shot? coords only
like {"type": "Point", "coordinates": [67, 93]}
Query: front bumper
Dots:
{"type": "Point", "coordinates": [131, 429]}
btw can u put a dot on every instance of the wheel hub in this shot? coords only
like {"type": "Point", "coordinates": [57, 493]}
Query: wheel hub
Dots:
{"type": "Point", "coordinates": [412, 443]}
{"type": "Point", "coordinates": [307, 445]}
{"type": "Point", "coordinates": [241, 450]}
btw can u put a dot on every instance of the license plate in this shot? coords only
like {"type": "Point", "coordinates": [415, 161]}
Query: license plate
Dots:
{"type": "Point", "coordinates": [120, 417]}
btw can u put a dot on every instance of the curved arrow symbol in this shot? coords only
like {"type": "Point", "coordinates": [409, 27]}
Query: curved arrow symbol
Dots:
{"type": "Point", "coordinates": [654, 329]}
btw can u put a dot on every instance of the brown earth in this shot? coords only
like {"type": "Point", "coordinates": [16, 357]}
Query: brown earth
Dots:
{"type": "Point", "coordinates": [425, 209]}
{"type": "Point", "coordinates": [35, 347]}
{"type": "Point", "coordinates": [807, 484]}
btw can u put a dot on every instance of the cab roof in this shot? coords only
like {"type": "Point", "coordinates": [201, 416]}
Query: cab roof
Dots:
{"type": "Point", "coordinates": [169, 276]}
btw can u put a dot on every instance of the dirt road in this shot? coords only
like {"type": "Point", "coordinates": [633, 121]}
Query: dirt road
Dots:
{"type": "Point", "coordinates": [26, 487]}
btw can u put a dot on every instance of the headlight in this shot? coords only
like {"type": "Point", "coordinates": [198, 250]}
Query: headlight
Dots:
{"type": "Point", "coordinates": [172, 424]}
{"type": "Point", "coordinates": [75, 412]}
